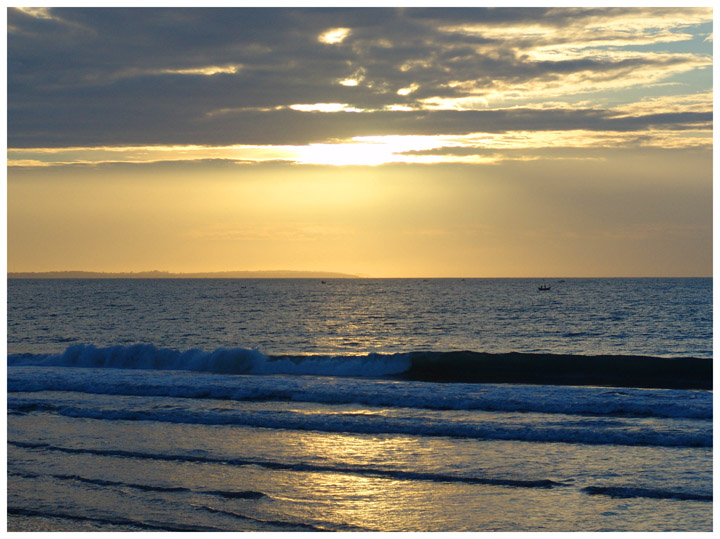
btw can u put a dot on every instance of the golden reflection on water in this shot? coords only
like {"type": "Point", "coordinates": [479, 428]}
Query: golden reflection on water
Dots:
{"type": "Point", "coordinates": [377, 503]}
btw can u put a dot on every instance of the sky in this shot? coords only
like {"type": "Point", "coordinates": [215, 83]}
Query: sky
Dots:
{"type": "Point", "coordinates": [383, 142]}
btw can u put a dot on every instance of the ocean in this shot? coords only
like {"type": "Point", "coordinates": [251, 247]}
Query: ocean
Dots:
{"type": "Point", "coordinates": [359, 405]}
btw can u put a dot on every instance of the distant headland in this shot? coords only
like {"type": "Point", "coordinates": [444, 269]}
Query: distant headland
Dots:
{"type": "Point", "coordinates": [271, 274]}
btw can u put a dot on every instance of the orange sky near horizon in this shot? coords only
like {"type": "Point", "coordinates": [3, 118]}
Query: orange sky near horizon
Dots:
{"type": "Point", "coordinates": [521, 219]}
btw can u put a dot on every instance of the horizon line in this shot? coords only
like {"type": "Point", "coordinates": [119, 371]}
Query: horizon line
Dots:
{"type": "Point", "coordinates": [295, 274]}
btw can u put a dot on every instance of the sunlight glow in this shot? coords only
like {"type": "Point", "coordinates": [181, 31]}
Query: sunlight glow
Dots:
{"type": "Point", "coordinates": [370, 151]}
{"type": "Point", "coordinates": [324, 107]}
{"type": "Point", "coordinates": [373, 150]}
{"type": "Point", "coordinates": [334, 36]}
{"type": "Point", "coordinates": [207, 70]}
{"type": "Point", "coordinates": [36, 12]}
{"type": "Point", "coordinates": [407, 91]}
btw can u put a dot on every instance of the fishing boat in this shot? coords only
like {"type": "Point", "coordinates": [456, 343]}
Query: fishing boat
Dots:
{"type": "Point", "coordinates": [544, 287]}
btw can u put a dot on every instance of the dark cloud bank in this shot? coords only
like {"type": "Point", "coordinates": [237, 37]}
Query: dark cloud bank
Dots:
{"type": "Point", "coordinates": [91, 77]}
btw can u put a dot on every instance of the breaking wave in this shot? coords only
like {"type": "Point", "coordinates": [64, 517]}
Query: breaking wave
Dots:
{"type": "Point", "coordinates": [477, 367]}
{"type": "Point", "coordinates": [219, 361]}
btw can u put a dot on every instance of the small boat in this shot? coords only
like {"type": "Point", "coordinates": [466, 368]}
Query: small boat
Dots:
{"type": "Point", "coordinates": [544, 287]}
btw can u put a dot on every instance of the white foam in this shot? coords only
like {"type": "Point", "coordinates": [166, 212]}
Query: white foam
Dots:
{"type": "Point", "coordinates": [356, 388]}
{"type": "Point", "coordinates": [221, 361]}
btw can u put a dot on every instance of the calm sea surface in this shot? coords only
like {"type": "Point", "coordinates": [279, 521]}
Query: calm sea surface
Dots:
{"type": "Point", "coordinates": [657, 317]}
{"type": "Point", "coordinates": [275, 405]}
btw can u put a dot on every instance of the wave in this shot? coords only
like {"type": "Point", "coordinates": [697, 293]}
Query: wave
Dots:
{"type": "Point", "coordinates": [599, 433]}
{"type": "Point", "coordinates": [377, 392]}
{"type": "Point", "coordinates": [220, 361]}
{"type": "Point", "coordinates": [117, 521]}
{"type": "Point", "coordinates": [611, 491]}
{"type": "Point", "coordinates": [295, 526]}
{"type": "Point", "coordinates": [472, 367]}
{"type": "Point", "coordinates": [127, 522]}
{"type": "Point", "coordinates": [403, 475]}
{"type": "Point", "coordinates": [230, 494]}
{"type": "Point", "coordinates": [636, 492]}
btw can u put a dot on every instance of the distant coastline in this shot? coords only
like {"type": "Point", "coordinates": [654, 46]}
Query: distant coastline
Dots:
{"type": "Point", "coordinates": [273, 274]}
{"type": "Point", "coordinates": [282, 274]}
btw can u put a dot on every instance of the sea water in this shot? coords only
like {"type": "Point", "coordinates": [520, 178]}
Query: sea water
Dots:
{"type": "Point", "coordinates": [282, 405]}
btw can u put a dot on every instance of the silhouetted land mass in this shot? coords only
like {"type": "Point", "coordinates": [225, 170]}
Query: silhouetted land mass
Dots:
{"type": "Point", "coordinates": [274, 274]}
{"type": "Point", "coordinates": [558, 369]}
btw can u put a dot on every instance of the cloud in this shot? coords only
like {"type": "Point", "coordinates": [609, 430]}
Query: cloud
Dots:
{"type": "Point", "coordinates": [36, 12]}
{"type": "Point", "coordinates": [82, 77]}
{"type": "Point", "coordinates": [334, 36]}
{"type": "Point", "coordinates": [317, 123]}
{"type": "Point", "coordinates": [701, 102]}
{"type": "Point", "coordinates": [480, 137]}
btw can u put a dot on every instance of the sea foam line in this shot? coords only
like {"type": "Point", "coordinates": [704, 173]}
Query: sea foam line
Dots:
{"type": "Point", "coordinates": [402, 394]}
{"type": "Point", "coordinates": [376, 424]}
